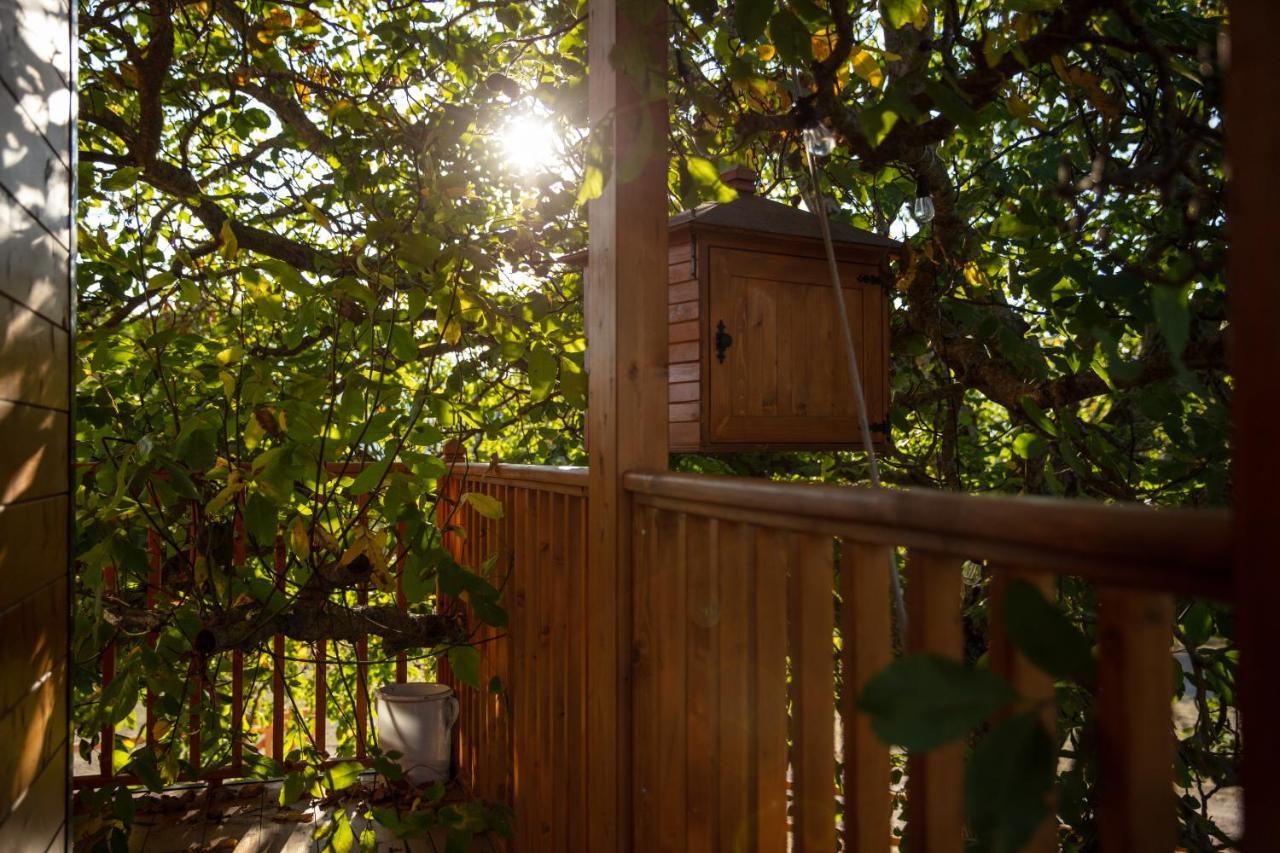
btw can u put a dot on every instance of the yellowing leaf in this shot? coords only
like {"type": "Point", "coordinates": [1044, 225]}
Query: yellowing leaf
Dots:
{"type": "Point", "coordinates": [483, 504]}
{"type": "Point", "coordinates": [821, 43]}
{"type": "Point", "coordinates": [866, 67]}
{"type": "Point", "coordinates": [318, 215]}
{"type": "Point", "coordinates": [766, 52]}
{"type": "Point", "coordinates": [299, 539]}
{"type": "Point", "coordinates": [230, 355]}
{"type": "Point", "coordinates": [230, 246]}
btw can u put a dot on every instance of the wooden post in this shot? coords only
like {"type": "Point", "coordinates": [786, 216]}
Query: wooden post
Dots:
{"type": "Point", "coordinates": [1253, 270]}
{"type": "Point", "coordinates": [626, 359]}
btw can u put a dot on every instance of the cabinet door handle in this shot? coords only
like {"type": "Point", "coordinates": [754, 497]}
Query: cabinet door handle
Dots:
{"type": "Point", "coordinates": [723, 341]}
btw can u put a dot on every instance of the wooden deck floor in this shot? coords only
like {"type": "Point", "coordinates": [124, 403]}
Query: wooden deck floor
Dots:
{"type": "Point", "coordinates": [246, 818]}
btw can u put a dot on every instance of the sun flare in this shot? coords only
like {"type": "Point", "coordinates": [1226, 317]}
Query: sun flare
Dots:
{"type": "Point", "coordinates": [529, 143]}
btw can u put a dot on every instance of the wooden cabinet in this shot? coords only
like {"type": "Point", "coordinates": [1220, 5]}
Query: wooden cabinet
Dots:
{"type": "Point", "coordinates": [755, 349]}
{"type": "Point", "coordinates": [756, 357]}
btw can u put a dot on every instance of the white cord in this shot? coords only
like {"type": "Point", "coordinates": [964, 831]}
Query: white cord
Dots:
{"type": "Point", "coordinates": [819, 207]}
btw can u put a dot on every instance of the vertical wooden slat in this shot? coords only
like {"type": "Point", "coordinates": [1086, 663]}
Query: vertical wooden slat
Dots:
{"type": "Point", "coordinates": [769, 648]}
{"type": "Point", "coordinates": [736, 574]}
{"type": "Point", "coordinates": [362, 654]}
{"type": "Point", "coordinates": [867, 648]}
{"type": "Point", "coordinates": [661, 687]}
{"type": "Point", "coordinates": [522, 677]}
{"type": "Point", "coordinates": [1032, 683]}
{"type": "Point", "coordinates": [646, 699]}
{"type": "Point", "coordinates": [322, 695]}
{"type": "Point", "coordinates": [237, 656]}
{"type": "Point", "coordinates": [935, 779]}
{"type": "Point", "coordinates": [402, 660]}
{"type": "Point", "coordinates": [1135, 728]}
{"type": "Point", "coordinates": [702, 761]}
{"type": "Point", "coordinates": [812, 610]}
{"type": "Point", "coordinates": [277, 659]}
{"type": "Point", "coordinates": [155, 563]}
{"type": "Point", "coordinates": [195, 681]}
{"type": "Point", "coordinates": [578, 682]}
{"type": "Point", "coordinates": [107, 664]}
{"type": "Point", "coordinates": [559, 676]}
{"type": "Point", "coordinates": [541, 722]}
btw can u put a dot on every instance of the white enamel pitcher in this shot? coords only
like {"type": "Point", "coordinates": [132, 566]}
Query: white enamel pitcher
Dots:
{"type": "Point", "coordinates": [416, 720]}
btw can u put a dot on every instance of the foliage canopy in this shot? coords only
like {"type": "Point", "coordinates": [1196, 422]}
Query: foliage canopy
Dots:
{"type": "Point", "coordinates": [301, 247]}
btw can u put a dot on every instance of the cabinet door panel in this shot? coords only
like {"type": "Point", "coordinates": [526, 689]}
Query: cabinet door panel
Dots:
{"type": "Point", "coordinates": [784, 378]}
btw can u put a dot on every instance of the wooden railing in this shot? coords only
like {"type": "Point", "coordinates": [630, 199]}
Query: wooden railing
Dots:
{"type": "Point", "coordinates": [739, 587]}
{"type": "Point", "coordinates": [223, 680]}
{"type": "Point", "coordinates": [736, 583]}
{"type": "Point", "coordinates": [519, 738]}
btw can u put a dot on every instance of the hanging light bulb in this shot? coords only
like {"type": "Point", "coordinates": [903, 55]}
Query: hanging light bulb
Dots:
{"type": "Point", "coordinates": [922, 208]}
{"type": "Point", "coordinates": [819, 141]}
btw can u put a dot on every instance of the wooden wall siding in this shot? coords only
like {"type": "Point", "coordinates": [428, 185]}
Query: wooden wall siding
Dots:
{"type": "Point", "coordinates": [36, 118]}
{"type": "Point", "coordinates": [524, 744]}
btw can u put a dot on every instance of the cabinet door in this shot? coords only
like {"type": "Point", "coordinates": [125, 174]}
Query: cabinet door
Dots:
{"type": "Point", "coordinates": [784, 380]}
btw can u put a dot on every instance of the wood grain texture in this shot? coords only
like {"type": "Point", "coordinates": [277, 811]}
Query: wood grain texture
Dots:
{"type": "Point", "coordinates": [671, 683]}
{"type": "Point", "coordinates": [935, 779]}
{"type": "Point", "coordinates": [1136, 806]}
{"type": "Point", "coordinates": [35, 66]}
{"type": "Point", "coordinates": [34, 264]}
{"type": "Point", "coordinates": [627, 366]}
{"type": "Point", "coordinates": [702, 684]}
{"type": "Point", "coordinates": [812, 607]}
{"type": "Point", "coordinates": [33, 357]}
{"type": "Point", "coordinates": [38, 820]}
{"type": "Point", "coordinates": [735, 572]}
{"type": "Point", "coordinates": [33, 547]}
{"type": "Point", "coordinates": [867, 649]}
{"type": "Point", "coordinates": [33, 456]}
{"type": "Point", "coordinates": [773, 559]}
{"type": "Point", "coordinates": [32, 732]}
{"type": "Point", "coordinates": [1034, 684]}
{"type": "Point", "coordinates": [1253, 306]}
{"type": "Point", "coordinates": [33, 642]}
{"type": "Point", "coordinates": [34, 173]}
{"type": "Point", "coordinates": [1185, 551]}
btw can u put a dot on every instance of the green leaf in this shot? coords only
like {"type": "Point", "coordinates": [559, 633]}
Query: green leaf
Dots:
{"type": "Point", "coordinates": [1044, 635]}
{"type": "Point", "coordinates": [342, 775]}
{"type": "Point", "coordinates": [1197, 624]}
{"type": "Point", "coordinates": [592, 184]}
{"type": "Point", "coordinates": [367, 480]}
{"type": "Point", "coordinates": [877, 121]}
{"type": "Point", "coordinates": [1007, 783]}
{"type": "Point", "coordinates": [197, 450]}
{"type": "Point", "coordinates": [703, 171]}
{"type": "Point", "coordinates": [465, 663]}
{"type": "Point", "coordinates": [901, 12]}
{"type": "Point", "coordinates": [1030, 445]}
{"type": "Point", "coordinates": [121, 179]}
{"type": "Point", "coordinates": [923, 701]}
{"type": "Point", "coordinates": [750, 18]}
{"type": "Point", "coordinates": [542, 372]}
{"type": "Point", "coordinates": [260, 519]}
{"type": "Point", "coordinates": [791, 37]}
{"type": "Point", "coordinates": [295, 784]}
{"type": "Point", "coordinates": [1174, 319]}
{"type": "Point", "coordinates": [343, 839]}
{"type": "Point", "coordinates": [487, 506]}
{"type": "Point", "coordinates": [1038, 416]}
{"type": "Point", "coordinates": [951, 103]}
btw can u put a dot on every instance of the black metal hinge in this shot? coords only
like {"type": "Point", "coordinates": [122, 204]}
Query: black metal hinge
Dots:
{"type": "Point", "coordinates": [880, 426]}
